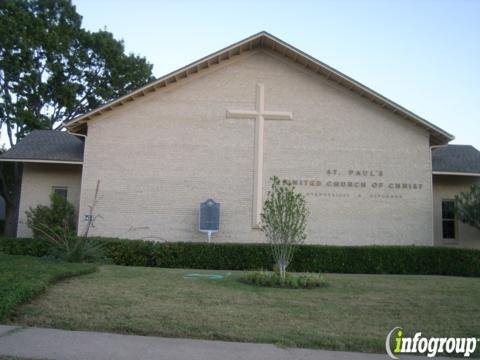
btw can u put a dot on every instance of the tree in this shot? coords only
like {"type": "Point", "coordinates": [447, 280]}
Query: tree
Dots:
{"type": "Point", "coordinates": [467, 206]}
{"type": "Point", "coordinates": [284, 221]}
{"type": "Point", "coordinates": [10, 182]}
{"type": "Point", "coordinates": [52, 70]}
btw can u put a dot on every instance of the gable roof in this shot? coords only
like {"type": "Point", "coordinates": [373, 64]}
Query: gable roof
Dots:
{"type": "Point", "coordinates": [459, 159]}
{"type": "Point", "coordinates": [268, 41]}
{"type": "Point", "coordinates": [48, 146]}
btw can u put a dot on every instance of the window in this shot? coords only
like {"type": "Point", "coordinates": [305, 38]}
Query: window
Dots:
{"type": "Point", "coordinates": [62, 191]}
{"type": "Point", "coordinates": [448, 219]}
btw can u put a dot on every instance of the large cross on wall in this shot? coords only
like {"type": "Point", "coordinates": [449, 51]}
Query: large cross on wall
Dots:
{"type": "Point", "coordinates": [259, 115]}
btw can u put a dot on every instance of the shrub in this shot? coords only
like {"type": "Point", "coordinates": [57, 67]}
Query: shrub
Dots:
{"type": "Point", "coordinates": [291, 281]}
{"type": "Point", "coordinates": [426, 260]}
{"type": "Point", "coordinates": [59, 214]}
{"type": "Point", "coordinates": [467, 206]}
{"type": "Point", "coordinates": [129, 253]}
{"type": "Point", "coordinates": [67, 247]}
{"type": "Point", "coordinates": [23, 246]}
{"type": "Point", "coordinates": [212, 256]}
{"type": "Point", "coordinates": [55, 226]}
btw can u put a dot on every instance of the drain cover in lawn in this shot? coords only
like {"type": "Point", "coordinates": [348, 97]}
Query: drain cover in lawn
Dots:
{"type": "Point", "coordinates": [205, 276]}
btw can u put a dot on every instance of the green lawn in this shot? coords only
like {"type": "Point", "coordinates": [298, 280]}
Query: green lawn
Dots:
{"type": "Point", "coordinates": [354, 312]}
{"type": "Point", "coordinates": [24, 277]}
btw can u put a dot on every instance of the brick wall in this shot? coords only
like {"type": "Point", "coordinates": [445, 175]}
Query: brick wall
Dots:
{"type": "Point", "coordinates": [158, 157]}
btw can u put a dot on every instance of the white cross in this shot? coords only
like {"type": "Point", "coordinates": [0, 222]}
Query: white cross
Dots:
{"type": "Point", "coordinates": [260, 115]}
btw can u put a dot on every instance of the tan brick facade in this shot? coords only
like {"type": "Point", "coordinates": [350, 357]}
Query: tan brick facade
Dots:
{"type": "Point", "coordinates": [445, 187]}
{"type": "Point", "coordinates": [366, 171]}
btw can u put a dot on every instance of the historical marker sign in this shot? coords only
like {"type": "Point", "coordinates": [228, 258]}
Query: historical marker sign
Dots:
{"type": "Point", "coordinates": [209, 217]}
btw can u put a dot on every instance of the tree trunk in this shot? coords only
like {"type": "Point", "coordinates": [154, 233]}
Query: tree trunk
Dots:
{"type": "Point", "coordinates": [282, 267]}
{"type": "Point", "coordinates": [12, 201]}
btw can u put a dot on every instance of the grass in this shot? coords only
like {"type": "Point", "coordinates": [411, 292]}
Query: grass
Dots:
{"type": "Point", "coordinates": [353, 312]}
{"type": "Point", "coordinates": [24, 277]}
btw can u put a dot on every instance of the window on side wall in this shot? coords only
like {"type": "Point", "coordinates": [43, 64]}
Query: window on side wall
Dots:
{"type": "Point", "coordinates": [448, 219]}
{"type": "Point", "coordinates": [61, 191]}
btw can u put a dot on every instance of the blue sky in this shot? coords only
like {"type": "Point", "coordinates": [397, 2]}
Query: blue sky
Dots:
{"type": "Point", "coordinates": [424, 55]}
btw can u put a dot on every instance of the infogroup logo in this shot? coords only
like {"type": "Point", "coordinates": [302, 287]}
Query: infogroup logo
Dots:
{"type": "Point", "coordinates": [433, 346]}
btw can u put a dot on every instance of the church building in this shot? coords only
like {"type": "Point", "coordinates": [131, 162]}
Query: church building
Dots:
{"type": "Point", "coordinates": [372, 171]}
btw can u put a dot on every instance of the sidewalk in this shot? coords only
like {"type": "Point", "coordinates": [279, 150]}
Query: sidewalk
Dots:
{"type": "Point", "coordinates": [73, 345]}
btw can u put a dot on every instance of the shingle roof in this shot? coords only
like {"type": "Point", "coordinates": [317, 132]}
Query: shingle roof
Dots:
{"type": "Point", "coordinates": [456, 159]}
{"type": "Point", "coordinates": [48, 145]}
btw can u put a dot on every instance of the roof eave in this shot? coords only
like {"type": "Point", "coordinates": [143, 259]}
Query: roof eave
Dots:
{"type": "Point", "coordinates": [264, 39]}
{"type": "Point", "coordinates": [172, 77]}
{"type": "Point", "coordinates": [44, 161]}
{"type": "Point", "coordinates": [455, 173]}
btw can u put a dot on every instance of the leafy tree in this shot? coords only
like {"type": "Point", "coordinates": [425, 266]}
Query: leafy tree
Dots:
{"type": "Point", "coordinates": [52, 70]}
{"type": "Point", "coordinates": [467, 206]}
{"type": "Point", "coordinates": [284, 221]}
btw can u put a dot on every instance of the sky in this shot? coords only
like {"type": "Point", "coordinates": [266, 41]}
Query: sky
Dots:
{"type": "Point", "coordinates": [424, 55]}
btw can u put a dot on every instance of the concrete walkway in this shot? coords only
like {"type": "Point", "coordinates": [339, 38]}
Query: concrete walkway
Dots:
{"type": "Point", "coordinates": [38, 343]}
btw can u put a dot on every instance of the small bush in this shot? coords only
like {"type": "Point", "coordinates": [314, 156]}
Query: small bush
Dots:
{"type": "Point", "coordinates": [291, 281]}
{"type": "Point", "coordinates": [55, 217]}
{"type": "Point", "coordinates": [54, 225]}
{"type": "Point", "coordinates": [76, 249]}
{"type": "Point", "coordinates": [67, 247]}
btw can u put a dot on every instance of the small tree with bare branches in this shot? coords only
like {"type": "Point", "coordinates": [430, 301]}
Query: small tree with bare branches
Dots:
{"type": "Point", "coordinates": [92, 216]}
{"type": "Point", "coordinates": [284, 221]}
